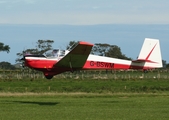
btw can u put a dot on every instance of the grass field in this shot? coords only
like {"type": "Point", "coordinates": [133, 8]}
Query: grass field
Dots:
{"type": "Point", "coordinates": [120, 97]}
{"type": "Point", "coordinates": [84, 106]}
{"type": "Point", "coordinates": [87, 85]}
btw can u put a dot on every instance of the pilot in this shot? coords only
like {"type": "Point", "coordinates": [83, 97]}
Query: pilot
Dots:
{"type": "Point", "coordinates": [55, 53]}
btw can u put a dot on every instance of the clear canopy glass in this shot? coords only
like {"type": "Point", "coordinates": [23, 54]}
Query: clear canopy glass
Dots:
{"type": "Point", "coordinates": [55, 53]}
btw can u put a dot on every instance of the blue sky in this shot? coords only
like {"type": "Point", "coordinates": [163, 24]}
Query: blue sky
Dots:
{"type": "Point", "coordinates": [81, 20]}
{"type": "Point", "coordinates": [84, 12]}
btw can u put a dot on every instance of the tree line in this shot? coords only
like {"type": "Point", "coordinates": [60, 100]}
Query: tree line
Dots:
{"type": "Point", "coordinates": [43, 46]}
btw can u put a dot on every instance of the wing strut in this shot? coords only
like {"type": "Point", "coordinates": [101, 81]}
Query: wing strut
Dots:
{"type": "Point", "coordinates": [71, 66]}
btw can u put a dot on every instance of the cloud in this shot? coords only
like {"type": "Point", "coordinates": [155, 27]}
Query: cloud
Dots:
{"type": "Point", "coordinates": [86, 18]}
{"type": "Point", "coordinates": [83, 12]}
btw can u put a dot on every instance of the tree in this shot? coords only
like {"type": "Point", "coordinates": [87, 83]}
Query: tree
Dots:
{"type": "Point", "coordinates": [115, 52]}
{"type": "Point", "coordinates": [71, 45]}
{"type": "Point", "coordinates": [100, 49]}
{"type": "Point", "coordinates": [103, 50]}
{"type": "Point", "coordinates": [167, 65]}
{"type": "Point", "coordinates": [164, 64]}
{"type": "Point", "coordinates": [108, 50]}
{"type": "Point", "coordinates": [4, 47]}
{"type": "Point", "coordinates": [41, 47]}
{"type": "Point", "coordinates": [7, 66]}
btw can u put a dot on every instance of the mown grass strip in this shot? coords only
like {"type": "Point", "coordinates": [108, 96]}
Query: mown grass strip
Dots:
{"type": "Point", "coordinates": [92, 106]}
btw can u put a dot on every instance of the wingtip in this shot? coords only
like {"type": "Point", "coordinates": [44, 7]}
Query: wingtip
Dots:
{"type": "Point", "coordinates": [85, 43]}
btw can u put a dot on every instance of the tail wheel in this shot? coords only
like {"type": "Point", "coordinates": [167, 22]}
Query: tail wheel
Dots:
{"type": "Point", "coordinates": [48, 76]}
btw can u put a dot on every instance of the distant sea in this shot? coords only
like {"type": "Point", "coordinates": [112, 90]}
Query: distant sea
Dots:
{"type": "Point", "coordinates": [129, 37]}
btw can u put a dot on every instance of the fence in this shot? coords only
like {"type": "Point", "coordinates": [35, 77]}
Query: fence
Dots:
{"type": "Point", "coordinates": [115, 75]}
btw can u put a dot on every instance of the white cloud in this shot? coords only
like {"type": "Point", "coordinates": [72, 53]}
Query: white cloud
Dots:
{"type": "Point", "coordinates": [85, 18]}
{"type": "Point", "coordinates": [83, 12]}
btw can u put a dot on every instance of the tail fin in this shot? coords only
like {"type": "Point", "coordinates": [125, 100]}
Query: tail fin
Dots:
{"type": "Point", "coordinates": [150, 53]}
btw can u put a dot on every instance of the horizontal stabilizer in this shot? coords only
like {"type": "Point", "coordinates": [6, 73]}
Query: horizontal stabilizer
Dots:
{"type": "Point", "coordinates": [142, 61]}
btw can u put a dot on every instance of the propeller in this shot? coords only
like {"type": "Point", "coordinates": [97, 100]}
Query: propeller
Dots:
{"type": "Point", "coordinates": [24, 54]}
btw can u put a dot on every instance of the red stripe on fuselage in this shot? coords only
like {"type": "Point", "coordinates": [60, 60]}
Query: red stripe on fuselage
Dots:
{"type": "Point", "coordinates": [104, 65]}
{"type": "Point", "coordinates": [97, 65]}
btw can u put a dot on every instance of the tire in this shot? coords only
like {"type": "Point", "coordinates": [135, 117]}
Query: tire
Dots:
{"type": "Point", "coordinates": [49, 77]}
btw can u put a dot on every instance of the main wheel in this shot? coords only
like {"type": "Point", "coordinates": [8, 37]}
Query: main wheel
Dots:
{"type": "Point", "coordinates": [48, 76]}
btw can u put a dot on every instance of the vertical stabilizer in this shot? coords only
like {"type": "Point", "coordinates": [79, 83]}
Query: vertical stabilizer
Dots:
{"type": "Point", "coordinates": [151, 53]}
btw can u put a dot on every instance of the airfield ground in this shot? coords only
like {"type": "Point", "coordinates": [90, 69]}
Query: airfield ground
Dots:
{"type": "Point", "coordinates": [84, 106]}
{"type": "Point", "coordinates": [125, 98]}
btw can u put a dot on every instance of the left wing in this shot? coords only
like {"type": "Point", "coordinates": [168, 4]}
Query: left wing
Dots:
{"type": "Point", "coordinates": [77, 57]}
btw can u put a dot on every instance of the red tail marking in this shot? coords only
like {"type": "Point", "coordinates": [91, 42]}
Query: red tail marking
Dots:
{"type": "Point", "coordinates": [150, 52]}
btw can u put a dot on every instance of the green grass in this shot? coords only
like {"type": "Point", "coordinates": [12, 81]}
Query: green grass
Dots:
{"type": "Point", "coordinates": [123, 98]}
{"type": "Point", "coordinates": [87, 85]}
{"type": "Point", "coordinates": [83, 106]}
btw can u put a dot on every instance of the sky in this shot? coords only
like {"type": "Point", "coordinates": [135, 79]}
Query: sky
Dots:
{"type": "Point", "coordinates": [84, 12]}
{"type": "Point", "coordinates": [23, 22]}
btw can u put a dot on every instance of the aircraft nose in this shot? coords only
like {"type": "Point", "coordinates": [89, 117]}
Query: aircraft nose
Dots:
{"type": "Point", "coordinates": [23, 58]}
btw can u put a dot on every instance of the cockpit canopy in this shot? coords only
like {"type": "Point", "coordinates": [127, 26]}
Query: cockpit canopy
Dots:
{"type": "Point", "coordinates": [55, 53]}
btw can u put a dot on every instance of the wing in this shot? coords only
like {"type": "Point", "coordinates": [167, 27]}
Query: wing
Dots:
{"type": "Point", "coordinates": [77, 57]}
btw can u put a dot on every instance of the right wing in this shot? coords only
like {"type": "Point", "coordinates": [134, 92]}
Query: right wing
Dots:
{"type": "Point", "coordinates": [77, 57]}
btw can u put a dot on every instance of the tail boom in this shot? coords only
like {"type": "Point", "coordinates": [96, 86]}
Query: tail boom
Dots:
{"type": "Point", "coordinates": [149, 58]}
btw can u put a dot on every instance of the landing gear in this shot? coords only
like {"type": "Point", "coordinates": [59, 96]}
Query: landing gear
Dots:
{"type": "Point", "coordinates": [49, 76]}
{"type": "Point", "coordinates": [145, 71]}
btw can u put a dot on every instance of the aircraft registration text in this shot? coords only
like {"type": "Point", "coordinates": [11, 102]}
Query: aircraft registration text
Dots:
{"type": "Point", "coordinates": [102, 64]}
